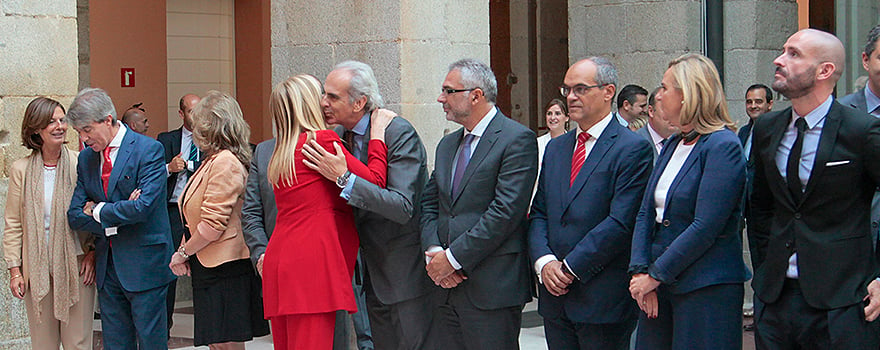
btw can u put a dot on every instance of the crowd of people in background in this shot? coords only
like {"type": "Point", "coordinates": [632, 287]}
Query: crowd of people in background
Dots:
{"type": "Point", "coordinates": [627, 225]}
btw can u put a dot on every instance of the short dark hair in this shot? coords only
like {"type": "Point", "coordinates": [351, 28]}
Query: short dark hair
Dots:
{"type": "Point", "coordinates": [629, 93]}
{"type": "Point", "coordinates": [767, 92]}
{"type": "Point", "coordinates": [652, 98]}
{"type": "Point", "coordinates": [37, 116]}
{"type": "Point", "coordinates": [871, 43]}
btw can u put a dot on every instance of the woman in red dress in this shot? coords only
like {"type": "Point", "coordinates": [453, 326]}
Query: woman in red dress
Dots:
{"type": "Point", "coordinates": [309, 261]}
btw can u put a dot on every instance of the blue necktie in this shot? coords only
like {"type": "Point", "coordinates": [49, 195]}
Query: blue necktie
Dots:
{"type": "Point", "coordinates": [461, 163]}
{"type": "Point", "coordinates": [193, 156]}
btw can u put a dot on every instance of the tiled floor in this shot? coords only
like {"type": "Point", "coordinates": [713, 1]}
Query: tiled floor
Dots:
{"type": "Point", "coordinates": [531, 337]}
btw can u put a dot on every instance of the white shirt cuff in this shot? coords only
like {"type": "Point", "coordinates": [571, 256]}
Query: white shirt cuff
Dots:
{"type": "Point", "coordinates": [452, 261]}
{"type": "Point", "coordinates": [569, 269]}
{"type": "Point", "coordinates": [96, 212]}
{"type": "Point", "coordinates": [431, 249]}
{"type": "Point", "coordinates": [541, 262]}
{"type": "Point", "coordinates": [167, 169]}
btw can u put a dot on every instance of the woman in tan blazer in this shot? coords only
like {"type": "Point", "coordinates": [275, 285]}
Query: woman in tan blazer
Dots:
{"type": "Point", "coordinates": [50, 266]}
{"type": "Point", "coordinates": [227, 306]}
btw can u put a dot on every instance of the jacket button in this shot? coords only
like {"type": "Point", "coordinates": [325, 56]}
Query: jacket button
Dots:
{"type": "Point", "coordinates": [788, 244]}
{"type": "Point", "coordinates": [797, 216]}
{"type": "Point", "coordinates": [666, 223]}
{"type": "Point", "coordinates": [564, 224]}
{"type": "Point", "coordinates": [874, 224]}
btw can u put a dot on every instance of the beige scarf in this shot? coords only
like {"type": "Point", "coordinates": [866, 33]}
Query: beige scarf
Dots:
{"type": "Point", "coordinates": [60, 255]}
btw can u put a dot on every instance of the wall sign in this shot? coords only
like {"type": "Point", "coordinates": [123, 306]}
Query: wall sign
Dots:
{"type": "Point", "coordinates": [127, 77]}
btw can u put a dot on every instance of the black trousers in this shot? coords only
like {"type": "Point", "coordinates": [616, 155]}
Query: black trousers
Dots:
{"type": "Point", "coordinates": [791, 323]}
{"type": "Point", "coordinates": [459, 324]}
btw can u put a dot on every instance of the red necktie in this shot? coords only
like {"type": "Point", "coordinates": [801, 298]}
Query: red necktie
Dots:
{"type": "Point", "coordinates": [106, 168]}
{"type": "Point", "coordinates": [580, 154]}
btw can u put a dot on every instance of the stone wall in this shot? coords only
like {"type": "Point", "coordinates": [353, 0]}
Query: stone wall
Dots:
{"type": "Point", "coordinates": [409, 44]}
{"type": "Point", "coordinates": [38, 51]}
{"type": "Point", "coordinates": [641, 37]}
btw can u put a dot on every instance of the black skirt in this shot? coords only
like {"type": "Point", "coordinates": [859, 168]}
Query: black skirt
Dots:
{"type": "Point", "coordinates": [227, 303]}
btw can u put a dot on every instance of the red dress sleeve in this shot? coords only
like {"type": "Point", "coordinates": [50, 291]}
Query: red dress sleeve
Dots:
{"type": "Point", "coordinates": [374, 171]}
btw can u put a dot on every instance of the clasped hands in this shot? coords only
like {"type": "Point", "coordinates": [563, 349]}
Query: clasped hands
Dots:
{"type": "Point", "coordinates": [643, 289]}
{"type": "Point", "coordinates": [441, 271]}
{"type": "Point", "coordinates": [555, 279]}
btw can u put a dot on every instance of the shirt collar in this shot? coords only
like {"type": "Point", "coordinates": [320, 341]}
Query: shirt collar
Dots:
{"type": "Point", "coordinates": [361, 127]}
{"type": "Point", "coordinates": [597, 129]}
{"type": "Point", "coordinates": [655, 137]}
{"type": "Point", "coordinates": [186, 132]}
{"type": "Point", "coordinates": [480, 128]}
{"type": "Point", "coordinates": [871, 99]}
{"type": "Point", "coordinates": [117, 140]}
{"type": "Point", "coordinates": [816, 115]}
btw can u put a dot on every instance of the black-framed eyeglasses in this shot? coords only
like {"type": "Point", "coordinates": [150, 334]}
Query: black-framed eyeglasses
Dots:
{"type": "Point", "coordinates": [579, 89]}
{"type": "Point", "coordinates": [138, 106]}
{"type": "Point", "coordinates": [449, 91]}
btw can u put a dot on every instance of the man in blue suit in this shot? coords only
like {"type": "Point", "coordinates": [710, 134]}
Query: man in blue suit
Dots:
{"type": "Point", "coordinates": [120, 198]}
{"type": "Point", "coordinates": [583, 215]}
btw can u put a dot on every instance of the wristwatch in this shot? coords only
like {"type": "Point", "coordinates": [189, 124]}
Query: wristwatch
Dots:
{"type": "Point", "coordinates": [342, 180]}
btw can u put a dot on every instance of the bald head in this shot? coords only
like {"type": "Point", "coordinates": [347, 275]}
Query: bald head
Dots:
{"type": "Point", "coordinates": [187, 102]}
{"type": "Point", "coordinates": [826, 47]}
{"type": "Point", "coordinates": [136, 119]}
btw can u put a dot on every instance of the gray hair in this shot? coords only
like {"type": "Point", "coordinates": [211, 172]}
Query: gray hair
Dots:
{"type": "Point", "coordinates": [606, 72]}
{"type": "Point", "coordinates": [362, 83]}
{"type": "Point", "coordinates": [476, 74]}
{"type": "Point", "coordinates": [91, 105]}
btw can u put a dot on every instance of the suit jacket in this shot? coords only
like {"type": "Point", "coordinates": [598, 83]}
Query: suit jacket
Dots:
{"type": "Point", "coordinates": [212, 207]}
{"type": "Point", "coordinates": [643, 132]}
{"type": "Point", "coordinates": [387, 219]}
{"type": "Point", "coordinates": [171, 142]}
{"type": "Point", "coordinates": [829, 228]}
{"type": "Point", "coordinates": [857, 100]}
{"type": "Point", "coordinates": [590, 223]}
{"type": "Point", "coordinates": [142, 246]}
{"type": "Point", "coordinates": [698, 242]}
{"type": "Point", "coordinates": [743, 135]}
{"type": "Point", "coordinates": [259, 211]}
{"type": "Point", "coordinates": [484, 224]}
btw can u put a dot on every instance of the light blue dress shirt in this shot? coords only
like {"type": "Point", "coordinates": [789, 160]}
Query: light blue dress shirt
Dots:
{"type": "Point", "coordinates": [360, 130]}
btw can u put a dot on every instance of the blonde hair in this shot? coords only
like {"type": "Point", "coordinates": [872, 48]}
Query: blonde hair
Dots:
{"type": "Point", "coordinates": [638, 123]}
{"type": "Point", "coordinates": [218, 124]}
{"type": "Point", "coordinates": [703, 103]}
{"type": "Point", "coordinates": [296, 108]}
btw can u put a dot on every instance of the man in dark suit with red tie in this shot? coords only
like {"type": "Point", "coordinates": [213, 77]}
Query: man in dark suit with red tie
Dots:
{"type": "Point", "coordinates": [119, 197]}
{"type": "Point", "coordinates": [816, 167]}
{"type": "Point", "coordinates": [583, 215]}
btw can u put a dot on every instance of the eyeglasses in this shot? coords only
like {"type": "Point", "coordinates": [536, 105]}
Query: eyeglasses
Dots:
{"type": "Point", "coordinates": [579, 89]}
{"type": "Point", "coordinates": [449, 91]}
{"type": "Point", "coordinates": [138, 106]}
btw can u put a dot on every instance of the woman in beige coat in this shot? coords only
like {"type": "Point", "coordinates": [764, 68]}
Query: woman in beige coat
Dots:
{"type": "Point", "coordinates": [50, 266]}
{"type": "Point", "coordinates": [227, 306]}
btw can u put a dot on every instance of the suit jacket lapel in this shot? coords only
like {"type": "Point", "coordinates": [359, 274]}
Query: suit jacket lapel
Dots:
{"type": "Point", "coordinates": [688, 163]}
{"type": "Point", "coordinates": [122, 157]}
{"type": "Point", "coordinates": [567, 142]}
{"type": "Point", "coordinates": [826, 143]}
{"type": "Point", "coordinates": [777, 130]}
{"type": "Point", "coordinates": [600, 148]}
{"type": "Point", "coordinates": [193, 183]}
{"type": "Point", "coordinates": [490, 135]}
{"type": "Point", "coordinates": [445, 155]}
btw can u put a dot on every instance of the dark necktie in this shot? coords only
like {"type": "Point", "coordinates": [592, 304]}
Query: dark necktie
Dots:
{"type": "Point", "coordinates": [794, 161]}
{"type": "Point", "coordinates": [106, 168]}
{"type": "Point", "coordinates": [193, 156]}
{"type": "Point", "coordinates": [579, 156]}
{"type": "Point", "coordinates": [461, 163]}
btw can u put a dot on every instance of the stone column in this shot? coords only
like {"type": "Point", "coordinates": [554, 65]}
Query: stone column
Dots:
{"type": "Point", "coordinates": [38, 51]}
{"type": "Point", "coordinates": [409, 44]}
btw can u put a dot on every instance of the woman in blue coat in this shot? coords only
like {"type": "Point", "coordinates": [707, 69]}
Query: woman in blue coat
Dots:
{"type": "Point", "coordinates": [686, 265]}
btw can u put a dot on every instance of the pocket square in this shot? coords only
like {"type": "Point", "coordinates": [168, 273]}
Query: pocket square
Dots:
{"type": "Point", "coordinates": [840, 162]}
